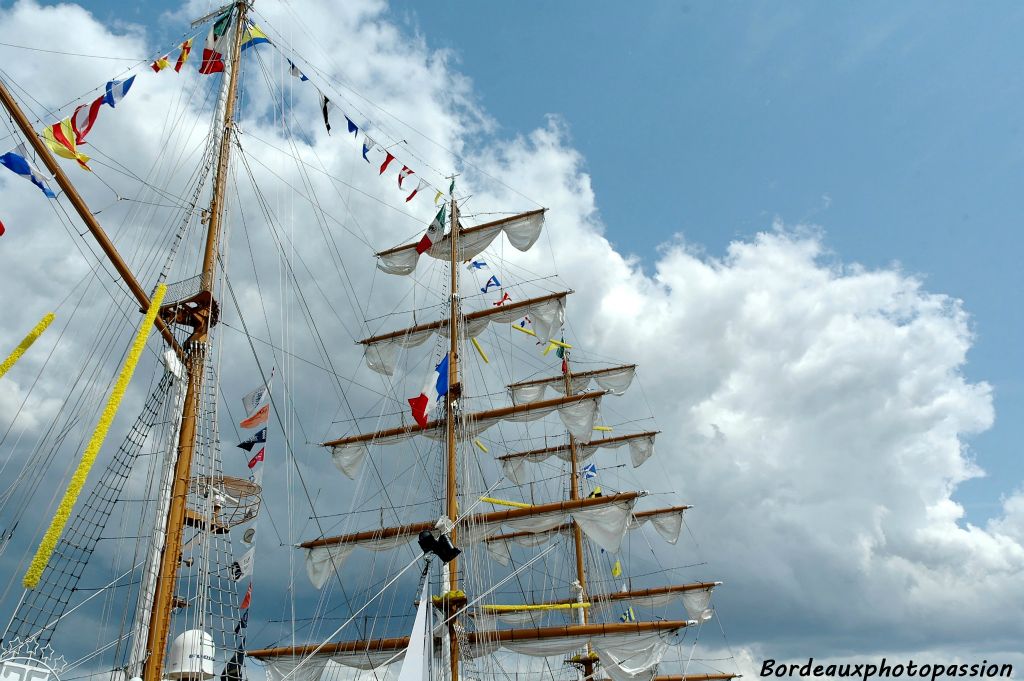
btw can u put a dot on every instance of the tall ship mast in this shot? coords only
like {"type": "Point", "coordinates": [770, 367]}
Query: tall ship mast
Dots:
{"type": "Point", "coordinates": [476, 530]}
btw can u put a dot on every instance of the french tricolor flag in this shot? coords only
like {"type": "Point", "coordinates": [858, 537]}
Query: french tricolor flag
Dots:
{"type": "Point", "coordinates": [434, 390]}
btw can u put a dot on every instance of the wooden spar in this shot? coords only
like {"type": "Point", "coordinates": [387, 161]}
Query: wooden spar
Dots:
{"type": "Point", "coordinates": [472, 316]}
{"type": "Point", "coordinates": [375, 645]}
{"type": "Point", "coordinates": [481, 518]}
{"type": "Point", "coordinates": [640, 593]}
{"type": "Point", "coordinates": [473, 637]}
{"type": "Point", "coordinates": [164, 597]}
{"type": "Point", "coordinates": [469, 231]}
{"type": "Point", "coordinates": [641, 515]}
{"type": "Point", "coordinates": [581, 374]}
{"type": "Point", "coordinates": [451, 401]}
{"type": "Point", "coordinates": [83, 212]}
{"type": "Point", "coordinates": [516, 535]}
{"type": "Point", "coordinates": [501, 412]}
{"type": "Point", "coordinates": [566, 526]}
{"type": "Point", "coordinates": [503, 635]}
{"type": "Point", "coordinates": [557, 449]}
{"type": "Point", "coordinates": [603, 442]}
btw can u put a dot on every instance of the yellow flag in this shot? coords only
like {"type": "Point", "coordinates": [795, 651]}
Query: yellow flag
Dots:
{"type": "Point", "coordinates": [60, 137]}
{"type": "Point", "coordinates": [616, 569]}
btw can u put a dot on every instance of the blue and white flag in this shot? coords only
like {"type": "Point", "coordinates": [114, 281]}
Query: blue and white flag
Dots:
{"type": "Point", "coordinates": [294, 70]}
{"type": "Point", "coordinates": [259, 438]}
{"type": "Point", "coordinates": [433, 391]}
{"type": "Point", "coordinates": [367, 145]}
{"type": "Point", "coordinates": [17, 161]}
{"type": "Point", "coordinates": [589, 471]}
{"type": "Point", "coordinates": [493, 281]}
{"type": "Point", "coordinates": [352, 127]}
{"type": "Point", "coordinates": [477, 265]}
{"type": "Point", "coordinates": [116, 90]}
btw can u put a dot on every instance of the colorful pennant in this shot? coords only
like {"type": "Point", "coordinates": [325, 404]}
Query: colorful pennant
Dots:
{"type": "Point", "coordinates": [186, 50]}
{"type": "Point", "coordinates": [17, 161]}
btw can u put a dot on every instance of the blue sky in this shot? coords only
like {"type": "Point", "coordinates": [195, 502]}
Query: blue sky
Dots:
{"type": "Point", "coordinates": [896, 128]}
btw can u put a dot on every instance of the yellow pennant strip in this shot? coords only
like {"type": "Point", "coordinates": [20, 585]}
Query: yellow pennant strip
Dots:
{"type": "Point", "coordinates": [551, 346]}
{"type": "Point", "coordinates": [60, 519]}
{"type": "Point", "coordinates": [603, 429]}
{"type": "Point", "coordinates": [524, 330]}
{"type": "Point", "coordinates": [539, 606]}
{"type": "Point", "coordinates": [483, 355]}
{"type": "Point", "coordinates": [564, 346]}
{"type": "Point", "coordinates": [26, 343]}
{"type": "Point", "coordinates": [502, 502]}
{"type": "Point", "coordinates": [480, 446]}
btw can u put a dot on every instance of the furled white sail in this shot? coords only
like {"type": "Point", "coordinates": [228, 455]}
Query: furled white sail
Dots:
{"type": "Point", "coordinates": [629, 650]}
{"type": "Point", "coordinates": [669, 525]}
{"type": "Point", "coordinates": [498, 547]}
{"type": "Point", "coordinates": [547, 314]}
{"type": "Point", "coordinates": [635, 652]}
{"type": "Point", "coordinates": [603, 523]}
{"type": "Point", "coordinates": [317, 667]}
{"type": "Point", "coordinates": [695, 601]}
{"type": "Point", "coordinates": [578, 416]}
{"type": "Point", "coordinates": [522, 618]}
{"type": "Point", "coordinates": [667, 522]}
{"type": "Point", "coordinates": [615, 380]}
{"type": "Point", "coordinates": [279, 668]}
{"type": "Point", "coordinates": [641, 447]}
{"type": "Point", "coordinates": [522, 232]}
{"type": "Point", "coordinates": [632, 660]}
{"type": "Point", "coordinates": [697, 604]}
{"type": "Point", "coordinates": [322, 561]}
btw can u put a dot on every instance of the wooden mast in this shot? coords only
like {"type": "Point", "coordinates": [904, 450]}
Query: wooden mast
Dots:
{"type": "Point", "coordinates": [83, 212]}
{"type": "Point", "coordinates": [451, 405]}
{"type": "Point", "coordinates": [196, 347]}
{"type": "Point", "coordinates": [577, 533]}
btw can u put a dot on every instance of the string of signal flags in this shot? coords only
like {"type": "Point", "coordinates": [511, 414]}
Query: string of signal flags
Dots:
{"type": "Point", "coordinates": [66, 136]}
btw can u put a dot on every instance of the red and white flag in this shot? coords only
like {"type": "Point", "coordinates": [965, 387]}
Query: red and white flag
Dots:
{"type": "Point", "coordinates": [84, 118]}
{"type": "Point", "coordinates": [404, 173]}
{"type": "Point", "coordinates": [421, 185]}
{"type": "Point", "coordinates": [387, 162]}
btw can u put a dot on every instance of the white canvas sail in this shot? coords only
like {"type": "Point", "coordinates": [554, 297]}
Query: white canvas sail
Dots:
{"type": "Point", "coordinates": [603, 520]}
{"type": "Point", "coordinates": [641, 447]}
{"type": "Point", "coordinates": [547, 314]}
{"type": "Point", "coordinates": [578, 415]}
{"type": "Point", "coordinates": [615, 380]}
{"type": "Point", "coordinates": [522, 232]}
